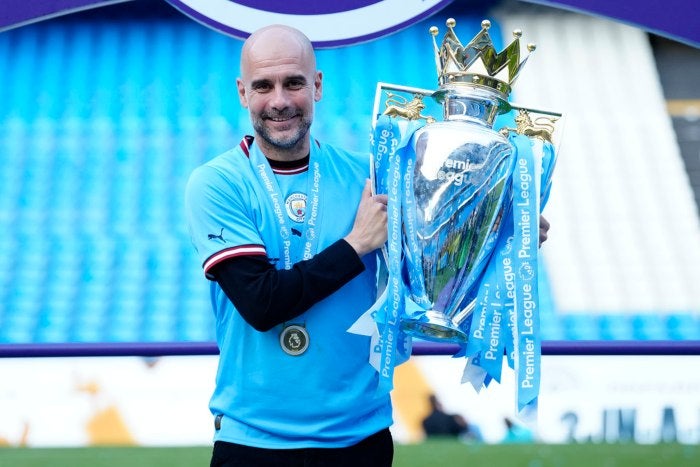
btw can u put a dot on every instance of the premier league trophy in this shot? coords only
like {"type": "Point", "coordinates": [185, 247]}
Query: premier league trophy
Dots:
{"type": "Point", "coordinates": [464, 205]}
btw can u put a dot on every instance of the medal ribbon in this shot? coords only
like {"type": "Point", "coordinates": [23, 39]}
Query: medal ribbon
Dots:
{"type": "Point", "coordinates": [262, 169]}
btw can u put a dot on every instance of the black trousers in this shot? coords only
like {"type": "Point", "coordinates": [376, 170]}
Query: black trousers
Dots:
{"type": "Point", "coordinates": [374, 451]}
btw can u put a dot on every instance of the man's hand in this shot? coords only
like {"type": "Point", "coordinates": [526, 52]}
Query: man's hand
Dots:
{"type": "Point", "coordinates": [369, 231]}
{"type": "Point", "coordinates": [544, 228]}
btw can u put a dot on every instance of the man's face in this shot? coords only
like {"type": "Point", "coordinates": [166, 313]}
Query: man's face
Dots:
{"type": "Point", "coordinates": [279, 85]}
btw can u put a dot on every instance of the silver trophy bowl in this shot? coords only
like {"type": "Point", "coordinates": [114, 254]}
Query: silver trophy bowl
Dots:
{"type": "Point", "coordinates": [459, 187]}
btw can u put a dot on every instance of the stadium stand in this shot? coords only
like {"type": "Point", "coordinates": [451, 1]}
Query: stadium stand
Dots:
{"type": "Point", "coordinates": [104, 120]}
{"type": "Point", "coordinates": [625, 247]}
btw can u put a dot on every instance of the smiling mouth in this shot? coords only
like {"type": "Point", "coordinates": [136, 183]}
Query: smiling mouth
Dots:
{"type": "Point", "coordinates": [283, 123]}
{"type": "Point", "coordinates": [280, 117]}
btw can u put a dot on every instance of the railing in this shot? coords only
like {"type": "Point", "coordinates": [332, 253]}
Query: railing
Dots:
{"type": "Point", "coordinates": [161, 349]}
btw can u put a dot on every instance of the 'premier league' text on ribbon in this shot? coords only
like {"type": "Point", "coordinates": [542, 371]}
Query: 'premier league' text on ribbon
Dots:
{"type": "Point", "coordinates": [526, 207]}
{"type": "Point", "coordinates": [313, 213]}
{"type": "Point", "coordinates": [395, 288]}
{"type": "Point", "coordinates": [277, 208]}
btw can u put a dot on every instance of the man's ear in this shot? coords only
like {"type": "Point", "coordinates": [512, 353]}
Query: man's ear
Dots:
{"type": "Point", "coordinates": [241, 92]}
{"type": "Point", "coordinates": [318, 86]}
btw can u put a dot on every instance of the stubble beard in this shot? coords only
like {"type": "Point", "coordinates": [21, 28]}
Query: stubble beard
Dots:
{"type": "Point", "coordinates": [281, 141]}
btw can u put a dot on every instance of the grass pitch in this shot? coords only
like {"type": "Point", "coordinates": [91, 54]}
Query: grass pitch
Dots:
{"type": "Point", "coordinates": [435, 452]}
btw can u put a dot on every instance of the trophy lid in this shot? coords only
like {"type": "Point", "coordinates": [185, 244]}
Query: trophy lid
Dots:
{"type": "Point", "coordinates": [477, 64]}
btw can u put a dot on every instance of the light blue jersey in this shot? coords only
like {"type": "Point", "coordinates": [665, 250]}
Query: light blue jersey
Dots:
{"type": "Point", "coordinates": [326, 396]}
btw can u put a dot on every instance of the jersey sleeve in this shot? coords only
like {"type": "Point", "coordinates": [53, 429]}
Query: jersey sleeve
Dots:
{"type": "Point", "coordinates": [219, 218]}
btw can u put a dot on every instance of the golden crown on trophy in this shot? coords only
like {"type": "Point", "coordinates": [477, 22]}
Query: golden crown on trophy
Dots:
{"type": "Point", "coordinates": [478, 63]}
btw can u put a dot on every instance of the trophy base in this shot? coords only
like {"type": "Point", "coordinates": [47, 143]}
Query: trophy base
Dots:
{"type": "Point", "coordinates": [433, 326]}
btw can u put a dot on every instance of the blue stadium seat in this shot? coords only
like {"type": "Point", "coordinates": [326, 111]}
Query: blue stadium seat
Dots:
{"type": "Point", "coordinates": [616, 327]}
{"type": "Point", "coordinates": [683, 326]}
{"type": "Point", "coordinates": [581, 327]}
{"type": "Point", "coordinates": [650, 327]}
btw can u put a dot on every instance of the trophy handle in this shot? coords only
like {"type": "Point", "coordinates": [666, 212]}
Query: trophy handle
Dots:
{"type": "Point", "coordinates": [403, 107]}
{"type": "Point", "coordinates": [545, 125]}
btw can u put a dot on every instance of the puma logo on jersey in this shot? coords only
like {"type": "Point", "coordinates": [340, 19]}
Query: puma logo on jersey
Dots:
{"type": "Point", "coordinates": [220, 236]}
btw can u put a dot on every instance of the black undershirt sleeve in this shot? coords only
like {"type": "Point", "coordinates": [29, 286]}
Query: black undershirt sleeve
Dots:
{"type": "Point", "coordinates": [266, 296]}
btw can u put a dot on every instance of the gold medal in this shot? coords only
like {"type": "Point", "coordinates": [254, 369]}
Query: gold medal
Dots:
{"type": "Point", "coordinates": [294, 339]}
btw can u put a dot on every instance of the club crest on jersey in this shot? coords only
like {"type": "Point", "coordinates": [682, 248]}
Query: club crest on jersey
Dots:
{"type": "Point", "coordinates": [296, 206]}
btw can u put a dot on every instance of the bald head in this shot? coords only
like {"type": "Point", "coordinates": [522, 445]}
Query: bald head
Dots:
{"type": "Point", "coordinates": [277, 43]}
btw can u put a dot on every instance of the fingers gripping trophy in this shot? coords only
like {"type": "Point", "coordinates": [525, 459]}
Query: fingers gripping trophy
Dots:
{"type": "Point", "coordinates": [464, 205]}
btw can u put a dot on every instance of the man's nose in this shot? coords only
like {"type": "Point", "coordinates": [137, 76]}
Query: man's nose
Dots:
{"type": "Point", "coordinates": [280, 98]}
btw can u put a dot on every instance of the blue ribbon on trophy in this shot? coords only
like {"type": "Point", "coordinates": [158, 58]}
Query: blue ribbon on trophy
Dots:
{"type": "Point", "coordinates": [508, 292]}
{"type": "Point", "coordinates": [389, 345]}
{"type": "Point", "coordinates": [461, 260]}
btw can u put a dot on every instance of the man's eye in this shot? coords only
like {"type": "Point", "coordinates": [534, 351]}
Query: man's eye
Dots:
{"type": "Point", "coordinates": [295, 85]}
{"type": "Point", "coordinates": [261, 87]}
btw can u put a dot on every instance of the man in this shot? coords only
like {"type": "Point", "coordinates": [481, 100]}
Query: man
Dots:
{"type": "Point", "coordinates": [292, 264]}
